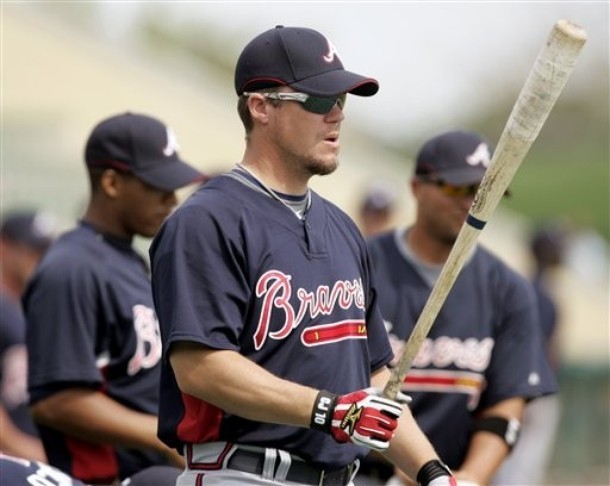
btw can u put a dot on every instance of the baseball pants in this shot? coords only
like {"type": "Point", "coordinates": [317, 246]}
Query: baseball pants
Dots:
{"type": "Point", "coordinates": [221, 463]}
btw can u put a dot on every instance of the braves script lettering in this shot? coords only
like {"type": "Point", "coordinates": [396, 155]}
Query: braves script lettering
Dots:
{"type": "Point", "coordinates": [470, 354]}
{"type": "Point", "coordinates": [275, 289]}
{"type": "Point", "coordinates": [148, 346]}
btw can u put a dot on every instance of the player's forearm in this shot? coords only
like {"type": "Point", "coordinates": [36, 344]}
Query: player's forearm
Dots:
{"type": "Point", "coordinates": [486, 450]}
{"type": "Point", "coordinates": [485, 455]}
{"type": "Point", "coordinates": [409, 449]}
{"type": "Point", "coordinates": [95, 417]}
{"type": "Point", "coordinates": [14, 442]}
{"type": "Point", "coordinates": [238, 386]}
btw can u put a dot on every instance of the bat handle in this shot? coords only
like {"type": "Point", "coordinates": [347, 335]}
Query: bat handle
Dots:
{"type": "Point", "coordinates": [392, 387]}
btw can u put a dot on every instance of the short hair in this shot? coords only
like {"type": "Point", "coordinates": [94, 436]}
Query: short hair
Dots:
{"type": "Point", "coordinates": [244, 111]}
{"type": "Point", "coordinates": [95, 177]}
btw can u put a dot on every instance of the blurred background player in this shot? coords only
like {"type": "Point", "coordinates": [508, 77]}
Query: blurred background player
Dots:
{"type": "Point", "coordinates": [377, 208]}
{"type": "Point", "coordinates": [529, 461]}
{"type": "Point", "coordinates": [93, 337]}
{"type": "Point", "coordinates": [375, 214]}
{"type": "Point", "coordinates": [484, 356]}
{"type": "Point", "coordinates": [18, 471]}
{"type": "Point", "coordinates": [24, 237]}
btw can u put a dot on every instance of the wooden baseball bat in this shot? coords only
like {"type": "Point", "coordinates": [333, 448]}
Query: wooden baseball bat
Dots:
{"type": "Point", "coordinates": [542, 87]}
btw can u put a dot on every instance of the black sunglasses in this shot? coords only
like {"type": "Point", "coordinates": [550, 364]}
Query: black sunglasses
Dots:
{"type": "Point", "coordinates": [313, 104]}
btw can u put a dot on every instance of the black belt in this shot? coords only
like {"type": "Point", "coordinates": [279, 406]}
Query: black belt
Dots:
{"type": "Point", "coordinates": [299, 472]}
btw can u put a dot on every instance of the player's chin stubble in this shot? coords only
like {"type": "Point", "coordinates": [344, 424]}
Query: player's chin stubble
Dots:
{"type": "Point", "coordinates": [320, 167]}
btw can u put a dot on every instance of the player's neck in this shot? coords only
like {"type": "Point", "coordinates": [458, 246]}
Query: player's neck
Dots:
{"type": "Point", "coordinates": [104, 221]}
{"type": "Point", "coordinates": [427, 249]}
{"type": "Point", "coordinates": [275, 177]}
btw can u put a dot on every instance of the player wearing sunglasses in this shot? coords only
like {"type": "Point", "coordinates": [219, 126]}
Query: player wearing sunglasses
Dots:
{"type": "Point", "coordinates": [484, 356]}
{"type": "Point", "coordinates": [276, 351]}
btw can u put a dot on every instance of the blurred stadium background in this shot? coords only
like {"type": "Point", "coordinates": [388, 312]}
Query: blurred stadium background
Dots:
{"type": "Point", "coordinates": [62, 71]}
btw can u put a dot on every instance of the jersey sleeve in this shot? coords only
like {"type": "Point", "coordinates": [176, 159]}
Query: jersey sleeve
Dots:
{"type": "Point", "coordinates": [61, 308]}
{"type": "Point", "coordinates": [379, 343]}
{"type": "Point", "coordinates": [519, 366]}
{"type": "Point", "coordinates": [199, 288]}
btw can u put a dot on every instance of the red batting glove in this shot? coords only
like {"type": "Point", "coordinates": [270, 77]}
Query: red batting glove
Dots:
{"type": "Point", "coordinates": [362, 417]}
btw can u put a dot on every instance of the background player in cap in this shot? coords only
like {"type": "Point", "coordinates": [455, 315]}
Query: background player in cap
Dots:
{"type": "Point", "coordinates": [530, 459]}
{"type": "Point", "coordinates": [269, 323]}
{"type": "Point", "coordinates": [24, 237]}
{"type": "Point", "coordinates": [377, 207]}
{"type": "Point", "coordinates": [93, 337]}
{"type": "Point", "coordinates": [484, 355]}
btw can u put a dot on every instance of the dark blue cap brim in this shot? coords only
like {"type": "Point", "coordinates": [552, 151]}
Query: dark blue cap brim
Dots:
{"type": "Point", "coordinates": [337, 82]}
{"type": "Point", "coordinates": [462, 176]}
{"type": "Point", "coordinates": [170, 176]}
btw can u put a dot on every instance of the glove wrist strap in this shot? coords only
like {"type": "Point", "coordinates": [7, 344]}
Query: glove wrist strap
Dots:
{"type": "Point", "coordinates": [322, 412]}
{"type": "Point", "coordinates": [430, 471]}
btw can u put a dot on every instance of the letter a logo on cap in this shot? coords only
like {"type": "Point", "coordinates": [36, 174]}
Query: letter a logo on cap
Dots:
{"type": "Point", "coordinates": [332, 52]}
{"type": "Point", "coordinates": [172, 143]}
{"type": "Point", "coordinates": [481, 156]}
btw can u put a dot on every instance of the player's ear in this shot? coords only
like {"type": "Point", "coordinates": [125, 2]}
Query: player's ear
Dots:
{"type": "Point", "coordinates": [110, 182]}
{"type": "Point", "coordinates": [415, 183]}
{"type": "Point", "coordinates": [259, 107]}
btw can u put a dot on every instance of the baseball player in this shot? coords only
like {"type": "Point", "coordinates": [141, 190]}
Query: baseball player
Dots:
{"type": "Point", "coordinates": [529, 461]}
{"type": "Point", "coordinates": [93, 338]}
{"type": "Point", "coordinates": [24, 237]}
{"type": "Point", "coordinates": [484, 357]}
{"type": "Point", "coordinates": [272, 338]}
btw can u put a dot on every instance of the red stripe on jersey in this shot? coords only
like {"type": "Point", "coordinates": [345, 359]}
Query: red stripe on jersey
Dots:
{"type": "Point", "coordinates": [201, 421]}
{"type": "Point", "coordinates": [330, 333]}
{"type": "Point", "coordinates": [430, 380]}
{"type": "Point", "coordinates": [92, 463]}
{"type": "Point", "coordinates": [444, 378]}
{"type": "Point", "coordinates": [446, 381]}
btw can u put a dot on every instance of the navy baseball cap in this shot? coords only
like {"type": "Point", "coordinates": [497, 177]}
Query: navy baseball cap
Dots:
{"type": "Point", "coordinates": [458, 158]}
{"type": "Point", "coordinates": [34, 229]}
{"type": "Point", "coordinates": [143, 146]}
{"type": "Point", "coordinates": [300, 58]}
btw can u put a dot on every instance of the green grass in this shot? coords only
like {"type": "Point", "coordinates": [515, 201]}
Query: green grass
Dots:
{"type": "Point", "coordinates": [569, 185]}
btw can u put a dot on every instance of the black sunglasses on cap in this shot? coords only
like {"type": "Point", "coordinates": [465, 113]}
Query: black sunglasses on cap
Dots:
{"type": "Point", "coordinates": [313, 104]}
